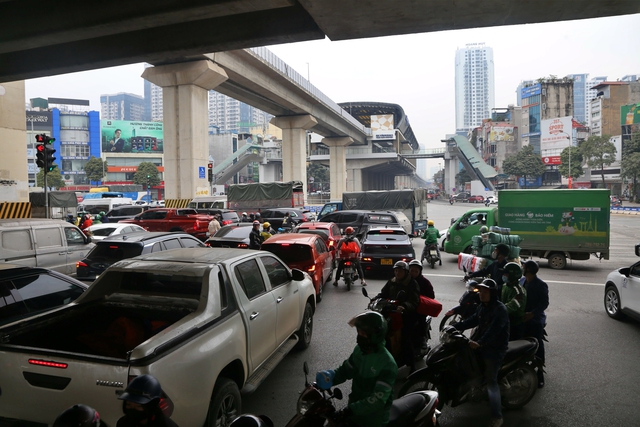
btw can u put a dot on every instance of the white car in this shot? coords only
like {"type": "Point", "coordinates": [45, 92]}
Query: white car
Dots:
{"type": "Point", "coordinates": [100, 231]}
{"type": "Point", "coordinates": [622, 292]}
{"type": "Point", "coordinates": [493, 200]}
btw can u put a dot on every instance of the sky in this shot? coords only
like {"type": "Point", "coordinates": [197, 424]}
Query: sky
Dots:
{"type": "Point", "coordinates": [416, 71]}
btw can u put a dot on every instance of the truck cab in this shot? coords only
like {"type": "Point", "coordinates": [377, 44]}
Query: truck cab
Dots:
{"type": "Point", "coordinates": [468, 225]}
{"type": "Point", "coordinates": [330, 207]}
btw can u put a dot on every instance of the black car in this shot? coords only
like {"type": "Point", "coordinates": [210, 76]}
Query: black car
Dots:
{"type": "Point", "coordinates": [276, 215]}
{"type": "Point", "coordinates": [228, 217]}
{"type": "Point", "coordinates": [231, 236]}
{"type": "Point", "coordinates": [361, 220]}
{"type": "Point", "coordinates": [25, 291]}
{"type": "Point", "coordinates": [462, 197]}
{"type": "Point", "coordinates": [116, 248]}
{"type": "Point", "coordinates": [383, 246]}
{"type": "Point", "coordinates": [125, 212]}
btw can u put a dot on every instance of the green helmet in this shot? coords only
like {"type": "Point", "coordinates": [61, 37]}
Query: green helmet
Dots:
{"type": "Point", "coordinates": [373, 324]}
{"type": "Point", "coordinates": [513, 271]}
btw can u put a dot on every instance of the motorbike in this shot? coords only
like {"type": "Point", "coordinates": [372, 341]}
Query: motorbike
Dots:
{"type": "Point", "coordinates": [389, 309]}
{"type": "Point", "coordinates": [348, 269]}
{"type": "Point", "coordinates": [316, 407]}
{"type": "Point", "coordinates": [451, 200]}
{"type": "Point", "coordinates": [456, 372]}
{"type": "Point", "coordinates": [430, 253]}
{"type": "Point", "coordinates": [467, 305]}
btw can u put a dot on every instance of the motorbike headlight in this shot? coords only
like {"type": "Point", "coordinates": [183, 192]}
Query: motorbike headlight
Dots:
{"type": "Point", "coordinates": [307, 399]}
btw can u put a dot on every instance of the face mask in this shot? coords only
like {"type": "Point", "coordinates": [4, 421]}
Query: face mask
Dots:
{"type": "Point", "coordinates": [505, 279]}
{"type": "Point", "coordinates": [494, 255]}
{"type": "Point", "coordinates": [136, 415]}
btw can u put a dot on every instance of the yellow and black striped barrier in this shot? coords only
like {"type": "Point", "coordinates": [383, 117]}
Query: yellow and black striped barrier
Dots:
{"type": "Point", "coordinates": [177, 203]}
{"type": "Point", "coordinates": [15, 210]}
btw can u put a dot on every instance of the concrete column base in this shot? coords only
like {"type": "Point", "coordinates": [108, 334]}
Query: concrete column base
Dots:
{"type": "Point", "coordinates": [337, 164]}
{"type": "Point", "coordinates": [185, 96]}
{"type": "Point", "coordinates": [294, 146]}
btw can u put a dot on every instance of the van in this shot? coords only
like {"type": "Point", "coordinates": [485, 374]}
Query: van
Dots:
{"type": "Point", "coordinates": [208, 202]}
{"type": "Point", "coordinates": [95, 206]}
{"type": "Point", "coordinates": [46, 243]}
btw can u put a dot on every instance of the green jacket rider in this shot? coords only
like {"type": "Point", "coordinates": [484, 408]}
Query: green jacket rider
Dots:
{"type": "Point", "coordinates": [514, 297]}
{"type": "Point", "coordinates": [373, 371]}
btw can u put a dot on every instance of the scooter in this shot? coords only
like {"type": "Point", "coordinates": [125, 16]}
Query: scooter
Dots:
{"type": "Point", "coordinates": [348, 270]}
{"type": "Point", "coordinates": [451, 200]}
{"type": "Point", "coordinates": [467, 305]}
{"type": "Point", "coordinates": [430, 253]}
{"type": "Point", "coordinates": [316, 406]}
{"type": "Point", "coordinates": [456, 372]}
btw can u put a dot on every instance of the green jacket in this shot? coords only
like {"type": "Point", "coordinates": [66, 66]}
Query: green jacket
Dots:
{"type": "Point", "coordinates": [431, 235]}
{"type": "Point", "coordinates": [373, 375]}
{"type": "Point", "coordinates": [514, 297]}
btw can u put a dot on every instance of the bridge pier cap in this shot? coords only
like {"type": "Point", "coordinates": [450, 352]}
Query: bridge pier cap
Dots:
{"type": "Point", "coordinates": [185, 95]}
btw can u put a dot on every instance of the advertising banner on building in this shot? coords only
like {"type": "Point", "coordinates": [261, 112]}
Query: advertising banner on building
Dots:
{"type": "Point", "coordinates": [630, 114]}
{"type": "Point", "coordinates": [551, 160]}
{"type": "Point", "coordinates": [556, 133]}
{"type": "Point", "coordinates": [133, 137]}
{"type": "Point", "coordinates": [39, 120]}
{"type": "Point", "coordinates": [527, 92]}
{"type": "Point", "coordinates": [501, 133]}
{"type": "Point", "coordinates": [383, 127]}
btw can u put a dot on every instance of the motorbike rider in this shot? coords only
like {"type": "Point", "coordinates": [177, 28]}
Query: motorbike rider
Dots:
{"type": "Point", "coordinates": [287, 222]}
{"type": "Point", "coordinates": [78, 416]}
{"type": "Point", "coordinates": [373, 371]}
{"type": "Point", "coordinates": [535, 318]}
{"type": "Point", "coordinates": [426, 289]}
{"type": "Point", "coordinates": [408, 304]}
{"type": "Point", "coordinates": [255, 238]}
{"type": "Point", "coordinates": [495, 270]}
{"type": "Point", "coordinates": [214, 225]}
{"type": "Point", "coordinates": [266, 230]}
{"type": "Point", "coordinates": [141, 404]}
{"type": "Point", "coordinates": [104, 218]}
{"type": "Point", "coordinates": [514, 297]}
{"type": "Point", "coordinates": [244, 218]}
{"type": "Point", "coordinates": [351, 245]}
{"type": "Point", "coordinates": [450, 199]}
{"type": "Point", "coordinates": [491, 338]}
{"type": "Point", "coordinates": [431, 236]}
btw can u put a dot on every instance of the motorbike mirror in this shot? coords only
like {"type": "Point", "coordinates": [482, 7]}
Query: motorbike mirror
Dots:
{"type": "Point", "coordinates": [337, 393]}
{"type": "Point", "coordinates": [365, 293]}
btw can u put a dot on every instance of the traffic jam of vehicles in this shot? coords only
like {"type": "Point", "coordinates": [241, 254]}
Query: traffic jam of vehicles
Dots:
{"type": "Point", "coordinates": [160, 296]}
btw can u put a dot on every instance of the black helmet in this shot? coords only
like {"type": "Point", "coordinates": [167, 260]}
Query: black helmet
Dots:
{"type": "Point", "coordinates": [416, 263]}
{"type": "Point", "coordinates": [491, 285]}
{"type": "Point", "coordinates": [142, 389]}
{"type": "Point", "coordinates": [503, 249]}
{"type": "Point", "coordinates": [513, 271]}
{"type": "Point", "coordinates": [78, 416]}
{"type": "Point", "coordinates": [531, 266]}
{"type": "Point", "coordinates": [249, 420]}
{"type": "Point", "coordinates": [373, 324]}
{"type": "Point", "coordinates": [401, 264]}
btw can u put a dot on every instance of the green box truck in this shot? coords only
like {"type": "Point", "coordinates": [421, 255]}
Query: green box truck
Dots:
{"type": "Point", "coordinates": [555, 224]}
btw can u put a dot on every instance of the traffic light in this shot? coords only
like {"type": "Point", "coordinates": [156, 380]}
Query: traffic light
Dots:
{"type": "Point", "coordinates": [49, 159]}
{"type": "Point", "coordinates": [45, 151]}
{"type": "Point", "coordinates": [40, 156]}
{"type": "Point", "coordinates": [210, 168]}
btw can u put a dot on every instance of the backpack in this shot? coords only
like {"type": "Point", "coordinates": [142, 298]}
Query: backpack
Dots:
{"type": "Point", "coordinates": [349, 247]}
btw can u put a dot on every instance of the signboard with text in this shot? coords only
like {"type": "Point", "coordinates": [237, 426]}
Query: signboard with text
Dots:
{"type": "Point", "coordinates": [551, 160]}
{"type": "Point", "coordinates": [383, 127]}
{"type": "Point", "coordinates": [556, 133]}
{"type": "Point", "coordinates": [133, 137]}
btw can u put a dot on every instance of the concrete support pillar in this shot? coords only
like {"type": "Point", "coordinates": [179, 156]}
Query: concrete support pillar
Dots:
{"type": "Point", "coordinates": [294, 146]}
{"type": "Point", "coordinates": [450, 171]}
{"type": "Point", "coordinates": [337, 164]}
{"type": "Point", "coordinates": [185, 97]}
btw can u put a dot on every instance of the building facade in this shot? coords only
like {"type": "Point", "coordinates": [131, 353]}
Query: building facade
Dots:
{"type": "Point", "coordinates": [475, 87]}
{"type": "Point", "coordinates": [122, 106]}
{"type": "Point", "coordinates": [605, 107]}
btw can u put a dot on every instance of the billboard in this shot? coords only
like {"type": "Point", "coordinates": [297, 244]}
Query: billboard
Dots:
{"type": "Point", "coordinates": [501, 133]}
{"type": "Point", "coordinates": [556, 133]}
{"type": "Point", "coordinates": [133, 137]}
{"type": "Point", "coordinates": [630, 114]}
{"type": "Point", "coordinates": [383, 127]}
{"type": "Point", "coordinates": [527, 92]}
{"type": "Point", "coordinates": [551, 160]}
{"type": "Point", "coordinates": [39, 120]}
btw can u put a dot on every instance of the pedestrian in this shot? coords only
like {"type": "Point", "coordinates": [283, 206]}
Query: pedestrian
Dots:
{"type": "Point", "coordinates": [514, 297]}
{"type": "Point", "coordinates": [495, 269]}
{"type": "Point", "coordinates": [255, 239]}
{"type": "Point", "coordinates": [214, 225]}
{"type": "Point", "coordinates": [535, 318]}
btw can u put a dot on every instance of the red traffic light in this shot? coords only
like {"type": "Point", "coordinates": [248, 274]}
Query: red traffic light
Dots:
{"type": "Point", "coordinates": [45, 139]}
{"type": "Point", "coordinates": [210, 165]}
{"type": "Point", "coordinates": [40, 147]}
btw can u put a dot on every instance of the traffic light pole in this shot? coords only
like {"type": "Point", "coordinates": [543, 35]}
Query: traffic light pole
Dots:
{"type": "Point", "coordinates": [46, 197]}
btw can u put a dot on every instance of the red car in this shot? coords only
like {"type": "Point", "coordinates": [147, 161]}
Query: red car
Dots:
{"type": "Point", "coordinates": [329, 232]}
{"type": "Point", "coordinates": [476, 199]}
{"type": "Point", "coordinates": [306, 252]}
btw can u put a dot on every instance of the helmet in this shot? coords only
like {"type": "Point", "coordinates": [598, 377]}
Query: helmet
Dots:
{"type": "Point", "coordinates": [487, 283]}
{"type": "Point", "coordinates": [142, 389]}
{"type": "Point", "coordinates": [244, 214]}
{"type": "Point", "coordinates": [484, 229]}
{"type": "Point", "coordinates": [531, 266]}
{"type": "Point", "coordinates": [102, 213]}
{"type": "Point", "coordinates": [401, 264]}
{"type": "Point", "coordinates": [266, 225]}
{"type": "Point", "coordinates": [373, 324]}
{"type": "Point", "coordinates": [248, 420]}
{"type": "Point", "coordinates": [430, 222]}
{"type": "Point", "coordinates": [503, 249]}
{"type": "Point", "coordinates": [416, 263]}
{"type": "Point", "coordinates": [78, 416]}
{"type": "Point", "coordinates": [256, 222]}
{"type": "Point", "coordinates": [257, 214]}
{"type": "Point", "coordinates": [349, 230]}
{"type": "Point", "coordinates": [513, 271]}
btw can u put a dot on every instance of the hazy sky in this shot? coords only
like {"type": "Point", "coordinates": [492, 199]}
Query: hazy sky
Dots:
{"type": "Point", "coordinates": [416, 71]}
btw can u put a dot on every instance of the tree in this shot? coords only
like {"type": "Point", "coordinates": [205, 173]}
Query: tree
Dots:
{"type": "Point", "coordinates": [525, 164]}
{"type": "Point", "coordinates": [146, 169]}
{"type": "Point", "coordinates": [54, 179]}
{"type": "Point", "coordinates": [574, 156]}
{"type": "Point", "coordinates": [95, 169]}
{"type": "Point", "coordinates": [319, 172]}
{"type": "Point", "coordinates": [438, 179]}
{"type": "Point", "coordinates": [462, 177]}
{"type": "Point", "coordinates": [631, 146]}
{"type": "Point", "coordinates": [630, 168]}
{"type": "Point", "coordinates": [599, 152]}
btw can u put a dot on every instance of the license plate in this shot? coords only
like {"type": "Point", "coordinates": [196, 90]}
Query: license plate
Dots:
{"type": "Point", "coordinates": [386, 261]}
{"type": "Point", "coordinates": [348, 270]}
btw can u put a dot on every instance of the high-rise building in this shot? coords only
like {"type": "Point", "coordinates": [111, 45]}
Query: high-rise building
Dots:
{"type": "Point", "coordinates": [230, 115]}
{"type": "Point", "coordinates": [475, 88]}
{"type": "Point", "coordinates": [122, 106]}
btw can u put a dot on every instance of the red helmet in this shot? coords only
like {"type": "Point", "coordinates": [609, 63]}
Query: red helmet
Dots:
{"type": "Point", "coordinates": [349, 230]}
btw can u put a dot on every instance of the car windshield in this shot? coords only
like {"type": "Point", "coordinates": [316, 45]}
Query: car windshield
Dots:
{"type": "Point", "coordinates": [234, 232]}
{"type": "Point", "coordinates": [103, 231]}
{"type": "Point", "coordinates": [386, 235]}
{"type": "Point", "coordinates": [290, 253]}
{"type": "Point", "coordinates": [112, 252]}
{"type": "Point", "coordinates": [317, 231]}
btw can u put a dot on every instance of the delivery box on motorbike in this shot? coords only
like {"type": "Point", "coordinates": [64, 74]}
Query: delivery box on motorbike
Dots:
{"type": "Point", "coordinates": [429, 306]}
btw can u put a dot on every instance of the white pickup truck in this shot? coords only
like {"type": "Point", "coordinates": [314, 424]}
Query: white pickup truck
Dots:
{"type": "Point", "coordinates": [206, 322]}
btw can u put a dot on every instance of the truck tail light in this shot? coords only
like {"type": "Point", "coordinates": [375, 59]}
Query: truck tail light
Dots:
{"type": "Point", "coordinates": [48, 363]}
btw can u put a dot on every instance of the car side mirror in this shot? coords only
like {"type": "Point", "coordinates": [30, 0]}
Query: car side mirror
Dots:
{"type": "Point", "coordinates": [638, 249]}
{"type": "Point", "coordinates": [297, 275]}
{"type": "Point", "coordinates": [625, 271]}
{"type": "Point", "coordinates": [88, 239]}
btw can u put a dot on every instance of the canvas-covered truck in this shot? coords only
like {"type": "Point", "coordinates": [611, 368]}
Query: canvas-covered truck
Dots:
{"type": "Point", "coordinates": [207, 322]}
{"type": "Point", "coordinates": [558, 225]}
{"type": "Point", "coordinates": [411, 202]}
{"type": "Point", "coordinates": [264, 195]}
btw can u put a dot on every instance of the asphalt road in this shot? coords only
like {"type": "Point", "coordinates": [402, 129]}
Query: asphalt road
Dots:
{"type": "Point", "coordinates": [592, 377]}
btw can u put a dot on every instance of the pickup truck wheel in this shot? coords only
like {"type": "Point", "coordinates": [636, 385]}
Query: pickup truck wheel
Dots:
{"type": "Point", "coordinates": [225, 404]}
{"type": "Point", "coordinates": [306, 329]}
{"type": "Point", "coordinates": [557, 261]}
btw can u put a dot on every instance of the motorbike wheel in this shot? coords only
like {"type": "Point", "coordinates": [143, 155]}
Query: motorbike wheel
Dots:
{"type": "Point", "coordinates": [518, 387]}
{"type": "Point", "coordinates": [348, 282]}
{"type": "Point", "coordinates": [433, 263]}
{"type": "Point", "coordinates": [420, 382]}
{"type": "Point", "coordinates": [449, 320]}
